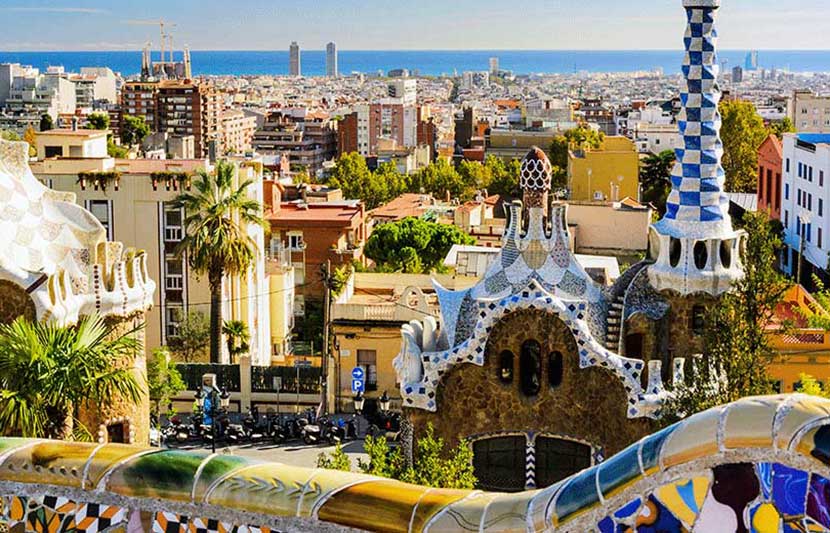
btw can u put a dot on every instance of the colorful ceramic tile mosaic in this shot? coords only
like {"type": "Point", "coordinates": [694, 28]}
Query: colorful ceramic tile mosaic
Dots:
{"type": "Point", "coordinates": [681, 479]}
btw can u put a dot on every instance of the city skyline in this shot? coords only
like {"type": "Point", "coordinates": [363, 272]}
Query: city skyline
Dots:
{"type": "Point", "coordinates": [261, 25]}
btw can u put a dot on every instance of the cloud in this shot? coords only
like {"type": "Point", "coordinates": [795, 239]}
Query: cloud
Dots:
{"type": "Point", "coordinates": [81, 10]}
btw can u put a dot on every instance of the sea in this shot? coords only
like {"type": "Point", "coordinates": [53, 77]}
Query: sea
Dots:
{"type": "Point", "coordinates": [425, 62]}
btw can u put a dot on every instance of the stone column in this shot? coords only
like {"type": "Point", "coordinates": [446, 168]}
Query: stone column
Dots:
{"type": "Point", "coordinates": [245, 387]}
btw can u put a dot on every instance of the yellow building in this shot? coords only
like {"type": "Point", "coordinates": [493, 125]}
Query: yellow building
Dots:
{"type": "Point", "coordinates": [131, 198]}
{"type": "Point", "coordinates": [801, 350]}
{"type": "Point", "coordinates": [366, 324]}
{"type": "Point", "coordinates": [609, 173]}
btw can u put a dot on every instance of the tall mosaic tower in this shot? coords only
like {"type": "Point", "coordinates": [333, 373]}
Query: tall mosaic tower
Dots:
{"type": "Point", "coordinates": [695, 246]}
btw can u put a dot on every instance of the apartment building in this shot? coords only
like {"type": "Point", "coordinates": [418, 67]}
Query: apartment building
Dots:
{"type": "Point", "coordinates": [95, 86]}
{"type": "Point", "coordinates": [609, 173]}
{"type": "Point", "coordinates": [237, 131]}
{"type": "Point", "coordinates": [309, 140]}
{"type": "Point", "coordinates": [806, 193]}
{"type": "Point", "coordinates": [132, 199]}
{"type": "Point", "coordinates": [32, 95]}
{"type": "Point", "coordinates": [138, 99]}
{"type": "Point", "coordinates": [314, 232]}
{"type": "Point", "coordinates": [809, 112]}
{"type": "Point", "coordinates": [188, 108]}
{"type": "Point", "coordinates": [770, 162]}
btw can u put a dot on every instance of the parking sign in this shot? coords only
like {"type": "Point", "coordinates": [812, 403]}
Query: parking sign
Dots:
{"type": "Point", "coordinates": [358, 385]}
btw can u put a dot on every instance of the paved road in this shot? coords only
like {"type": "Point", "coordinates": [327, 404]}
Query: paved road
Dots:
{"type": "Point", "coordinates": [295, 453]}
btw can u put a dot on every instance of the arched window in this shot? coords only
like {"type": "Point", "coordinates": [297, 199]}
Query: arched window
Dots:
{"type": "Point", "coordinates": [506, 367]}
{"type": "Point", "coordinates": [555, 369]}
{"type": "Point", "coordinates": [530, 367]}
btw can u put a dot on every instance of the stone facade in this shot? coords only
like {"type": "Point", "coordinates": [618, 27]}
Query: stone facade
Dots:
{"type": "Point", "coordinates": [14, 303]}
{"type": "Point", "coordinates": [589, 405]}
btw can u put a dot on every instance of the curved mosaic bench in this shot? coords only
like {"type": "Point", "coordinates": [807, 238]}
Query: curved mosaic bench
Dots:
{"type": "Point", "coordinates": [760, 464]}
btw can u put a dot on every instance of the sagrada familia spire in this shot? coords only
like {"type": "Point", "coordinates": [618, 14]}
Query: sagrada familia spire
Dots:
{"type": "Point", "coordinates": [695, 245]}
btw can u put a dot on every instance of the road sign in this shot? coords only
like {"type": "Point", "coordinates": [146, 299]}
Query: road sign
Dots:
{"type": "Point", "coordinates": [302, 363]}
{"type": "Point", "coordinates": [358, 385]}
{"type": "Point", "coordinates": [358, 373]}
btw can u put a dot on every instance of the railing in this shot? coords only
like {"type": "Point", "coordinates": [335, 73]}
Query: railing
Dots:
{"type": "Point", "coordinates": [284, 379]}
{"type": "Point", "coordinates": [227, 376]}
{"type": "Point", "coordinates": [172, 233]}
{"type": "Point", "coordinates": [391, 312]}
{"type": "Point", "coordinates": [173, 282]}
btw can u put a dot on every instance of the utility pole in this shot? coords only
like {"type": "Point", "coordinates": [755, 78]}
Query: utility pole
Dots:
{"type": "Point", "coordinates": [326, 331]}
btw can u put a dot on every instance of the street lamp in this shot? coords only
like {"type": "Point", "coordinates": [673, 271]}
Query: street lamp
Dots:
{"type": "Point", "coordinates": [384, 402]}
{"type": "Point", "coordinates": [359, 400]}
{"type": "Point", "coordinates": [212, 401]}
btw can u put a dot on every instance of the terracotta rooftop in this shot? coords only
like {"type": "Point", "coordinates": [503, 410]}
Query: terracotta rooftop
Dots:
{"type": "Point", "coordinates": [321, 214]}
{"type": "Point", "coordinates": [67, 132]}
{"type": "Point", "coordinates": [405, 205]}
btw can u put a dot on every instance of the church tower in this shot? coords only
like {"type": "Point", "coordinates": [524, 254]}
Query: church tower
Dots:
{"type": "Point", "coordinates": [696, 249]}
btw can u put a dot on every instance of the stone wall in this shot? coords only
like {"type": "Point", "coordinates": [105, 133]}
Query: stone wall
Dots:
{"type": "Point", "coordinates": [589, 405]}
{"type": "Point", "coordinates": [14, 303]}
{"type": "Point", "coordinates": [135, 417]}
{"type": "Point", "coordinates": [682, 340]}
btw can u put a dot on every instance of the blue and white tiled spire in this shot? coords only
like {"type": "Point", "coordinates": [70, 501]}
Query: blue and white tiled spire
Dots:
{"type": "Point", "coordinates": [697, 202]}
{"type": "Point", "coordinates": [697, 210]}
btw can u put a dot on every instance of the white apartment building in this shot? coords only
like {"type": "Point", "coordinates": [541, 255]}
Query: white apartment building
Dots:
{"type": "Point", "coordinates": [33, 96]}
{"type": "Point", "coordinates": [405, 89]}
{"type": "Point", "coordinates": [10, 71]}
{"type": "Point", "coordinates": [95, 84]}
{"type": "Point", "coordinates": [806, 200]}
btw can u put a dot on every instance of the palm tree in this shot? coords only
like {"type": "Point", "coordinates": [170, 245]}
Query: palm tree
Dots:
{"type": "Point", "coordinates": [216, 242]}
{"type": "Point", "coordinates": [48, 373]}
{"type": "Point", "coordinates": [237, 335]}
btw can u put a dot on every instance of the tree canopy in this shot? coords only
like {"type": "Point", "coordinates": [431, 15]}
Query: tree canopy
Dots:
{"type": "Point", "coordinates": [192, 338]}
{"type": "Point", "coordinates": [413, 245]}
{"type": "Point", "coordinates": [742, 133]}
{"type": "Point", "coordinates": [133, 129]}
{"type": "Point", "coordinates": [163, 379]}
{"type": "Point", "coordinates": [98, 121]}
{"type": "Point", "coordinates": [655, 178]}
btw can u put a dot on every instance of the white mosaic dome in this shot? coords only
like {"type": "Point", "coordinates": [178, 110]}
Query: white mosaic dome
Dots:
{"type": "Point", "coordinates": [536, 171]}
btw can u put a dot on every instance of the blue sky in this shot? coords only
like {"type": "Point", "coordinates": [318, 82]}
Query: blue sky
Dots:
{"type": "Point", "coordinates": [412, 24]}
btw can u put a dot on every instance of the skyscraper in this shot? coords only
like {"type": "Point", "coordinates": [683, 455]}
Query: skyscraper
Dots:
{"type": "Point", "coordinates": [294, 59]}
{"type": "Point", "coordinates": [494, 65]}
{"type": "Point", "coordinates": [331, 60]}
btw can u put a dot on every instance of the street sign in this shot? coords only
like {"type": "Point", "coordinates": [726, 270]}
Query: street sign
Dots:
{"type": "Point", "coordinates": [358, 373]}
{"type": "Point", "coordinates": [358, 385]}
{"type": "Point", "coordinates": [302, 363]}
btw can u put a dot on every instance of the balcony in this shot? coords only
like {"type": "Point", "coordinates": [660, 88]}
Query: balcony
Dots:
{"type": "Point", "coordinates": [376, 312]}
{"type": "Point", "coordinates": [172, 234]}
{"type": "Point", "coordinates": [173, 282]}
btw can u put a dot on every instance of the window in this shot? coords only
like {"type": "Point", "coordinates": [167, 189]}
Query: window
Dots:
{"type": "Point", "coordinates": [634, 345]}
{"type": "Point", "coordinates": [810, 179]}
{"type": "Point", "coordinates": [556, 367]}
{"type": "Point", "coordinates": [368, 359]}
{"type": "Point", "coordinates": [788, 164]}
{"type": "Point", "coordinates": [295, 241]}
{"type": "Point", "coordinates": [173, 274]}
{"type": "Point", "coordinates": [820, 207]}
{"type": "Point", "coordinates": [102, 210]}
{"type": "Point", "coordinates": [557, 459]}
{"type": "Point", "coordinates": [800, 169]}
{"type": "Point", "coordinates": [818, 237]}
{"type": "Point", "coordinates": [698, 319]}
{"type": "Point", "coordinates": [798, 197]}
{"type": "Point", "coordinates": [809, 202]}
{"type": "Point", "coordinates": [808, 228]}
{"type": "Point", "coordinates": [173, 222]}
{"type": "Point", "coordinates": [786, 191]}
{"type": "Point", "coordinates": [530, 367]}
{"type": "Point", "coordinates": [786, 219]}
{"type": "Point", "coordinates": [821, 178]}
{"type": "Point", "coordinates": [172, 317]}
{"type": "Point", "coordinates": [53, 151]}
{"type": "Point", "coordinates": [499, 463]}
{"type": "Point", "coordinates": [506, 367]}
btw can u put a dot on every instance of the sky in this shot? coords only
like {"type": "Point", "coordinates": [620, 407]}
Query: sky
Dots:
{"type": "Point", "coordinates": [400, 25]}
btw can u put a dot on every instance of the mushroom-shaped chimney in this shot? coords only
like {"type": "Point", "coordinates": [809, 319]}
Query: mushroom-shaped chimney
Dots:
{"type": "Point", "coordinates": [535, 179]}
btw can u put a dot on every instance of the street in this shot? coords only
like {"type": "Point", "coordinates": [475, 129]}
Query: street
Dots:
{"type": "Point", "coordinates": [294, 453]}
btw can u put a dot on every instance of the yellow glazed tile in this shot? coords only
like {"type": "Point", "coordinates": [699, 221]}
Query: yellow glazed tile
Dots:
{"type": "Point", "coordinates": [50, 462]}
{"type": "Point", "coordinates": [105, 459]}
{"type": "Point", "coordinates": [507, 513]}
{"type": "Point", "coordinates": [749, 423]}
{"type": "Point", "coordinates": [463, 515]}
{"type": "Point", "coordinates": [696, 437]}
{"type": "Point", "coordinates": [804, 411]}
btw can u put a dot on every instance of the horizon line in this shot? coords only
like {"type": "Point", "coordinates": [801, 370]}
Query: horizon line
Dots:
{"type": "Point", "coordinates": [494, 50]}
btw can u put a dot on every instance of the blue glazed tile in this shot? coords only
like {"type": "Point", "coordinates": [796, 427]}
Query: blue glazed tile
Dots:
{"type": "Point", "coordinates": [764, 472]}
{"type": "Point", "coordinates": [579, 493]}
{"type": "Point", "coordinates": [789, 490]}
{"type": "Point", "coordinates": [818, 500]}
{"type": "Point", "coordinates": [606, 525]}
{"type": "Point", "coordinates": [619, 470]}
{"type": "Point", "coordinates": [652, 445]}
{"type": "Point", "coordinates": [628, 509]}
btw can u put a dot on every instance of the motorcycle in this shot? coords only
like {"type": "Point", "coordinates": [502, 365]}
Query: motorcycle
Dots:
{"type": "Point", "coordinates": [277, 430]}
{"type": "Point", "coordinates": [315, 433]}
{"type": "Point", "coordinates": [254, 430]}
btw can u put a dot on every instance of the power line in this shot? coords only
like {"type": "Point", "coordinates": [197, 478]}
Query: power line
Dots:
{"type": "Point", "coordinates": [250, 296]}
